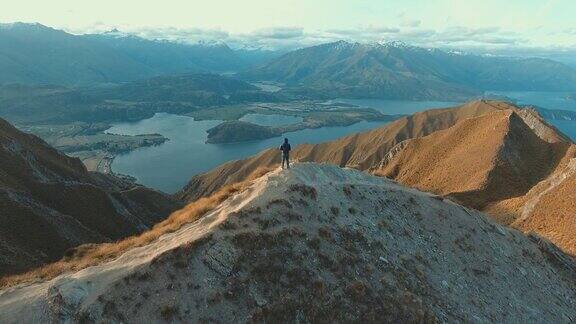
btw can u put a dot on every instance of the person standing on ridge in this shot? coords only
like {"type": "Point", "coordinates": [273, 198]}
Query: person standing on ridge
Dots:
{"type": "Point", "coordinates": [285, 148]}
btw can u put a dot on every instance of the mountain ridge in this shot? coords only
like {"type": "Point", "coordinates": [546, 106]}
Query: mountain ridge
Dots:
{"type": "Point", "coordinates": [56, 57]}
{"type": "Point", "coordinates": [517, 160]}
{"type": "Point", "coordinates": [318, 242]}
{"type": "Point", "coordinates": [393, 71]}
{"type": "Point", "coordinates": [414, 151]}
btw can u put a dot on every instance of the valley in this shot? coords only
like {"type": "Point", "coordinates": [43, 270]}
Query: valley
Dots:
{"type": "Point", "coordinates": [168, 167]}
{"type": "Point", "coordinates": [167, 175]}
{"type": "Point", "coordinates": [212, 82]}
{"type": "Point", "coordinates": [76, 121]}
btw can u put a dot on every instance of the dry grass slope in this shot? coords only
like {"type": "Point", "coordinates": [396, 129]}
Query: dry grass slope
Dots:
{"type": "Point", "coordinates": [488, 155]}
{"type": "Point", "coordinates": [93, 254]}
{"type": "Point", "coordinates": [478, 161]}
{"type": "Point", "coordinates": [361, 151]}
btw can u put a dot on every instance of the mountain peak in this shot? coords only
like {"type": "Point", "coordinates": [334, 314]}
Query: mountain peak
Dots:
{"type": "Point", "coordinates": [395, 44]}
{"type": "Point", "coordinates": [317, 243]}
{"type": "Point", "coordinates": [115, 32]}
{"type": "Point", "coordinates": [339, 45]}
{"type": "Point", "coordinates": [25, 26]}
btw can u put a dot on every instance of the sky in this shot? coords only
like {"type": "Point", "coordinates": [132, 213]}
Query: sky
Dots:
{"type": "Point", "coordinates": [492, 25]}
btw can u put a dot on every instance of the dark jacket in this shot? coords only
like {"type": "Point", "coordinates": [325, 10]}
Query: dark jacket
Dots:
{"type": "Point", "coordinates": [285, 148]}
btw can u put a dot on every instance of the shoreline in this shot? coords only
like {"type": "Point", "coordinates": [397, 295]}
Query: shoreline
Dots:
{"type": "Point", "coordinates": [101, 161]}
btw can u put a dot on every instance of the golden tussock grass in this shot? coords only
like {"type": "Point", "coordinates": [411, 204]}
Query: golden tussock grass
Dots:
{"type": "Point", "coordinates": [93, 254]}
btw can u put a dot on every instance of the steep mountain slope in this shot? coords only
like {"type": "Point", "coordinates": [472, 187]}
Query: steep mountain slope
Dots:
{"type": "Point", "coordinates": [36, 54]}
{"type": "Point", "coordinates": [395, 70]}
{"type": "Point", "coordinates": [509, 164]}
{"type": "Point", "coordinates": [488, 155]}
{"type": "Point", "coordinates": [551, 211]}
{"type": "Point", "coordinates": [33, 53]}
{"type": "Point", "coordinates": [361, 151]}
{"type": "Point", "coordinates": [315, 244]}
{"type": "Point", "coordinates": [135, 100]}
{"type": "Point", "coordinates": [50, 203]}
{"type": "Point", "coordinates": [548, 208]}
{"type": "Point", "coordinates": [477, 161]}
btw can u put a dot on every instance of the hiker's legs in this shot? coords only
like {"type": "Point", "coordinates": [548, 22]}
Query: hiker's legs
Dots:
{"type": "Point", "coordinates": [285, 159]}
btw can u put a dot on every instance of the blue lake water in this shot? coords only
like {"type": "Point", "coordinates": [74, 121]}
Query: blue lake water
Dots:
{"type": "Point", "coordinates": [169, 166]}
{"type": "Point", "coordinates": [567, 127]}
{"type": "Point", "coordinates": [549, 100]}
{"type": "Point", "coordinates": [271, 119]}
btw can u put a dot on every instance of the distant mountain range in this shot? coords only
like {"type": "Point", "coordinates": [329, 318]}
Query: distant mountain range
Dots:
{"type": "Point", "coordinates": [34, 104]}
{"type": "Point", "coordinates": [200, 89]}
{"type": "Point", "coordinates": [33, 53]}
{"type": "Point", "coordinates": [36, 54]}
{"type": "Point", "coordinates": [399, 71]}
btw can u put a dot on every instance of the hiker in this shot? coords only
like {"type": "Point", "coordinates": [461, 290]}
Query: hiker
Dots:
{"type": "Point", "coordinates": [285, 148]}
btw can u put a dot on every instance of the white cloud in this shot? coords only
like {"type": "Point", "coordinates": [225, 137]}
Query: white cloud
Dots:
{"type": "Point", "coordinates": [279, 33]}
{"type": "Point", "coordinates": [411, 23]}
{"type": "Point", "coordinates": [482, 39]}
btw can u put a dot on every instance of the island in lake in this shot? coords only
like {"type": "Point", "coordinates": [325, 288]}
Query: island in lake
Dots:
{"type": "Point", "coordinates": [240, 131]}
{"type": "Point", "coordinates": [310, 114]}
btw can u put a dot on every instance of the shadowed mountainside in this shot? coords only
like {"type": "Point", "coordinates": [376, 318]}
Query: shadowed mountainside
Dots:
{"type": "Point", "coordinates": [50, 203]}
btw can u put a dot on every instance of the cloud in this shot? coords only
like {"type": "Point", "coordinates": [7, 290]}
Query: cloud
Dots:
{"type": "Point", "coordinates": [464, 37]}
{"type": "Point", "coordinates": [453, 37]}
{"type": "Point", "coordinates": [485, 39]}
{"type": "Point", "coordinates": [280, 32]}
{"type": "Point", "coordinates": [411, 23]}
{"type": "Point", "coordinates": [382, 29]}
{"type": "Point", "coordinates": [182, 34]}
{"type": "Point", "coordinates": [362, 34]}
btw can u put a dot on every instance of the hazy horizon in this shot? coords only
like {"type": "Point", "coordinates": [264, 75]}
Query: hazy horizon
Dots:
{"type": "Point", "coordinates": [521, 27]}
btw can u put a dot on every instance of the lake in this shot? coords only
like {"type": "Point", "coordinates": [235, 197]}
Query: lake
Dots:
{"type": "Point", "coordinates": [567, 127]}
{"type": "Point", "coordinates": [169, 166]}
{"type": "Point", "coordinates": [549, 100]}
